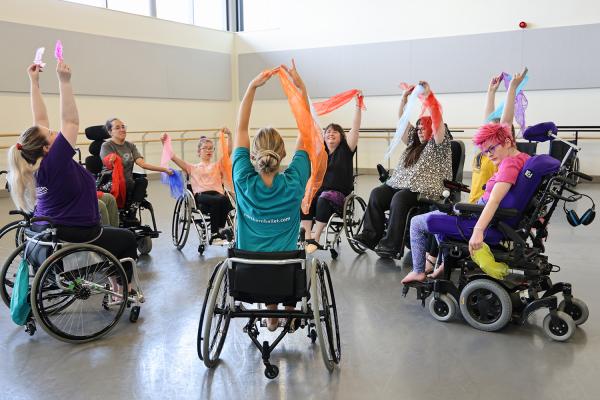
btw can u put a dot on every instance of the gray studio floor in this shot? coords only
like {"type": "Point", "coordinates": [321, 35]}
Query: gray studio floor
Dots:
{"type": "Point", "coordinates": [392, 348]}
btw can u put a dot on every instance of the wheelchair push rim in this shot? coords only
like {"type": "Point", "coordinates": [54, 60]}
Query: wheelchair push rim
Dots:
{"type": "Point", "coordinates": [217, 319]}
{"type": "Point", "coordinates": [73, 295]}
{"type": "Point", "coordinates": [322, 320]}
{"type": "Point", "coordinates": [200, 338]}
{"type": "Point", "coordinates": [353, 222]}
{"type": "Point", "coordinates": [180, 224]}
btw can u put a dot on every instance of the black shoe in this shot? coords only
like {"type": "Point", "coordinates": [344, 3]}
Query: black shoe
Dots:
{"type": "Point", "coordinates": [226, 234]}
{"type": "Point", "coordinates": [314, 243]}
{"type": "Point", "coordinates": [385, 252]}
{"type": "Point", "coordinates": [362, 240]}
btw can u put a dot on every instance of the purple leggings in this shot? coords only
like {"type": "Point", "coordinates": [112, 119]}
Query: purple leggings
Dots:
{"type": "Point", "coordinates": [419, 239]}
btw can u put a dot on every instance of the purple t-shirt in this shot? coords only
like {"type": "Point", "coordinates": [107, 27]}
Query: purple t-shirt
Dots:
{"type": "Point", "coordinates": [66, 192]}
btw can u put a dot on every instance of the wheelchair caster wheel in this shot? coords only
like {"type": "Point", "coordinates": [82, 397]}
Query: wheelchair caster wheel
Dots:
{"type": "Point", "coordinates": [334, 254]}
{"type": "Point", "coordinates": [201, 249]}
{"type": "Point", "coordinates": [271, 371]}
{"type": "Point", "coordinates": [444, 308]}
{"type": "Point", "coordinates": [144, 245]}
{"type": "Point", "coordinates": [559, 328]}
{"type": "Point", "coordinates": [134, 314]}
{"type": "Point", "coordinates": [312, 335]}
{"type": "Point", "coordinates": [30, 327]}
{"type": "Point", "coordinates": [577, 309]}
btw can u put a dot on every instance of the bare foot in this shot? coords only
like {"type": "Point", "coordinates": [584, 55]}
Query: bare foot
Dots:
{"type": "Point", "coordinates": [437, 272]}
{"type": "Point", "coordinates": [272, 324]}
{"type": "Point", "coordinates": [414, 277]}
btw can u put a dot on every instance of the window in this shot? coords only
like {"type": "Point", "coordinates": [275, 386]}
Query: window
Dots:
{"type": "Point", "coordinates": [176, 10]}
{"type": "Point", "coordinates": [141, 7]}
{"type": "Point", "coordinates": [210, 14]}
{"type": "Point", "coordinates": [261, 14]}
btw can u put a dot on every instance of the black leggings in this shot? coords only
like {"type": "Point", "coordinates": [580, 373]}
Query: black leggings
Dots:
{"type": "Point", "coordinates": [217, 204]}
{"type": "Point", "coordinates": [320, 209]}
{"type": "Point", "coordinates": [136, 190]}
{"type": "Point", "coordinates": [119, 242]}
{"type": "Point", "coordinates": [399, 202]}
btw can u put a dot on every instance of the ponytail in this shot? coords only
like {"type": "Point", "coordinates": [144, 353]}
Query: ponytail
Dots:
{"type": "Point", "coordinates": [24, 160]}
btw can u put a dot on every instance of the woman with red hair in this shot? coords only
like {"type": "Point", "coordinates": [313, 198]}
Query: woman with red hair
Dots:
{"type": "Point", "coordinates": [497, 142]}
{"type": "Point", "coordinates": [421, 170]}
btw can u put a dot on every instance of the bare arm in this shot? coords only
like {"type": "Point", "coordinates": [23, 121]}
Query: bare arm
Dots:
{"type": "Point", "coordinates": [241, 137]}
{"type": "Point", "coordinates": [144, 165]}
{"type": "Point", "coordinates": [498, 193]}
{"type": "Point", "coordinates": [38, 108]}
{"type": "Point", "coordinates": [508, 114]}
{"type": "Point", "coordinates": [69, 117]}
{"type": "Point", "coordinates": [490, 100]}
{"type": "Point", "coordinates": [403, 102]}
{"type": "Point", "coordinates": [353, 135]}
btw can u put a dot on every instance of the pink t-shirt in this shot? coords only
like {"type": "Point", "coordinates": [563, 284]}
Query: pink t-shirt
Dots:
{"type": "Point", "coordinates": [205, 177]}
{"type": "Point", "coordinates": [508, 171]}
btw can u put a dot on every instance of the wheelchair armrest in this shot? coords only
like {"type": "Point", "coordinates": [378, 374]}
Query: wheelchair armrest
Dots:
{"type": "Point", "coordinates": [448, 208]}
{"type": "Point", "coordinates": [452, 185]}
{"type": "Point", "coordinates": [478, 209]}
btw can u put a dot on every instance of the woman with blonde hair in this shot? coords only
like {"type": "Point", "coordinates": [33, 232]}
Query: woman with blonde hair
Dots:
{"type": "Point", "coordinates": [268, 200]}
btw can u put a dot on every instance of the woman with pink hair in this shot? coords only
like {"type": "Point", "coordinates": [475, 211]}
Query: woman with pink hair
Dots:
{"type": "Point", "coordinates": [497, 142]}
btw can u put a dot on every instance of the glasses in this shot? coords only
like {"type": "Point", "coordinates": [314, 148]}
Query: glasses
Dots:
{"type": "Point", "coordinates": [206, 148]}
{"type": "Point", "coordinates": [120, 127]}
{"type": "Point", "coordinates": [490, 150]}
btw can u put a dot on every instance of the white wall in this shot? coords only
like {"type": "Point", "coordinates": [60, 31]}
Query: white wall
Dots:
{"type": "Point", "coordinates": [313, 23]}
{"type": "Point", "coordinates": [138, 113]}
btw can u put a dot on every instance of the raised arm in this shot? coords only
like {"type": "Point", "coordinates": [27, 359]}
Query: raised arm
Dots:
{"type": "Point", "coordinates": [403, 102]}
{"type": "Point", "coordinates": [508, 114]}
{"type": "Point", "coordinates": [69, 117]}
{"type": "Point", "coordinates": [241, 137]}
{"type": "Point", "coordinates": [293, 72]}
{"type": "Point", "coordinates": [352, 136]}
{"type": "Point", "coordinates": [440, 133]}
{"type": "Point", "coordinates": [490, 100]}
{"type": "Point", "coordinates": [38, 108]}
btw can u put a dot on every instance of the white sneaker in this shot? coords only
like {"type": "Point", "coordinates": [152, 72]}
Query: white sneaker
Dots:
{"type": "Point", "coordinates": [218, 242]}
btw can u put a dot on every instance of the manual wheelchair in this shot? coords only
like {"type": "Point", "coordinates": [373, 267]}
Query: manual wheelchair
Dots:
{"type": "Point", "coordinates": [270, 278]}
{"type": "Point", "coordinates": [130, 216]}
{"type": "Point", "coordinates": [187, 212]}
{"type": "Point", "coordinates": [516, 236]}
{"type": "Point", "coordinates": [74, 292]}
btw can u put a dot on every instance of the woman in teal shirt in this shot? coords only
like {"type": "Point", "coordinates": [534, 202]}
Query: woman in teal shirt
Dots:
{"type": "Point", "coordinates": [268, 201]}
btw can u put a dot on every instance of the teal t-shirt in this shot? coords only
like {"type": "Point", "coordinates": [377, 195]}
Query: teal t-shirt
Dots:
{"type": "Point", "coordinates": [268, 218]}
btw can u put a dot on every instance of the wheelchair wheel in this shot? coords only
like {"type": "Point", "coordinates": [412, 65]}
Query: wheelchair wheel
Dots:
{"type": "Point", "coordinates": [444, 308]}
{"type": "Point", "coordinates": [325, 315]}
{"type": "Point", "coordinates": [217, 319]}
{"type": "Point", "coordinates": [16, 228]}
{"type": "Point", "coordinates": [144, 245]}
{"type": "Point", "coordinates": [485, 305]}
{"type": "Point", "coordinates": [577, 309]}
{"type": "Point", "coordinates": [203, 312]}
{"type": "Point", "coordinates": [182, 219]}
{"type": "Point", "coordinates": [69, 291]}
{"type": "Point", "coordinates": [560, 328]}
{"type": "Point", "coordinates": [353, 215]}
{"type": "Point", "coordinates": [9, 273]}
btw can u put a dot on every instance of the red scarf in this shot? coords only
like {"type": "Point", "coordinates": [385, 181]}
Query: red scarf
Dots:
{"type": "Point", "coordinates": [119, 188]}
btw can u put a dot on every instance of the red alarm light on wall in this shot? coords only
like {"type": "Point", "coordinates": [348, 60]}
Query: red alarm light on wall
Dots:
{"type": "Point", "coordinates": [522, 24]}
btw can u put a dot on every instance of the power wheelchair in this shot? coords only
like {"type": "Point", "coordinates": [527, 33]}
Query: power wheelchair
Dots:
{"type": "Point", "coordinates": [130, 216]}
{"type": "Point", "coordinates": [187, 212]}
{"type": "Point", "coordinates": [455, 187]}
{"type": "Point", "coordinates": [73, 286]}
{"type": "Point", "coordinates": [286, 277]}
{"type": "Point", "coordinates": [515, 236]}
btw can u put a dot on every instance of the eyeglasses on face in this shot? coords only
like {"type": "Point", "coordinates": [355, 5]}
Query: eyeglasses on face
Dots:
{"type": "Point", "coordinates": [118, 127]}
{"type": "Point", "coordinates": [490, 150]}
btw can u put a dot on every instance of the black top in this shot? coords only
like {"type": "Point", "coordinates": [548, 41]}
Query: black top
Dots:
{"type": "Point", "coordinates": [339, 174]}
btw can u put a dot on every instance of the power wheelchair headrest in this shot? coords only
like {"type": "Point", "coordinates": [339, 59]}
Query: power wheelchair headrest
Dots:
{"type": "Point", "coordinates": [93, 164]}
{"type": "Point", "coordinates": [96, 132]}
{"type": "Point", "coordinates": [540, 132]}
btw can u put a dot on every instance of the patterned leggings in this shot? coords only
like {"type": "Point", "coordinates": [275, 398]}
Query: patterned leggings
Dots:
{"type": "Point", "coordinates": [419, 240]}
